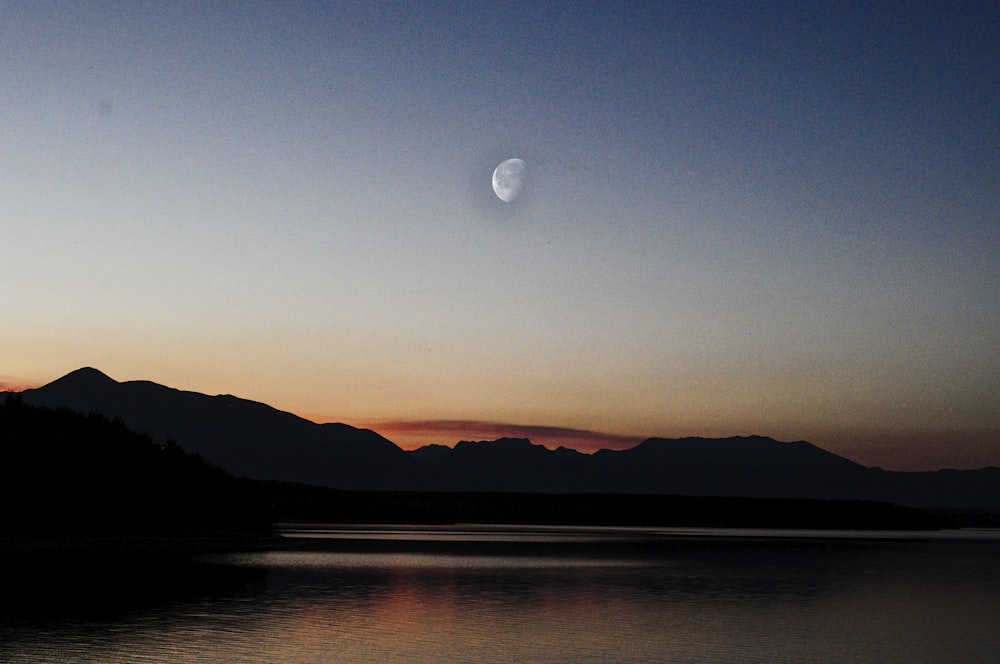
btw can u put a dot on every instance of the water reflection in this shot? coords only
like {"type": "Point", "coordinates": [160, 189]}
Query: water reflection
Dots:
{"type": "Point", "coordinates": [678, 598]}
{"type": "Point", "coordinates": [46, 586]}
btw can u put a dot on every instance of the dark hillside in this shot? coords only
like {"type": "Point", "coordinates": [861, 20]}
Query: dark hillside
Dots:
{"type": "Point", "coordinates": [65, 473]}
{"type": "Point", "coordinates": [247, 438]}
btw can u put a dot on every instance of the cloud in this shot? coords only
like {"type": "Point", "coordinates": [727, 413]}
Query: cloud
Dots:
{"type": "Point", "coordinates": [450, 431]}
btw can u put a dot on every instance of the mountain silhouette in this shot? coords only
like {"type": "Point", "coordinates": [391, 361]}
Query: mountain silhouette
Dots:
{"type": "Point", "coordinates": [507, 464]}
{"type": "Point", "coordinates": [245, 437]}
{"type": "Point", "coordinates": [254, 440]}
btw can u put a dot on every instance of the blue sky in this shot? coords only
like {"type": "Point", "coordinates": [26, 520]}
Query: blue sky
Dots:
{"type": "Point", "coordinates": [738, 218]}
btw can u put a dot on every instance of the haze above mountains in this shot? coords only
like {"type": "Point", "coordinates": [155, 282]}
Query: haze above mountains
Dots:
{"type": "Point", "coordinates": [254, 440]}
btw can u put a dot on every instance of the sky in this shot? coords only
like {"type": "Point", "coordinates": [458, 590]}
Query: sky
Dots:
{"type": "Point", "coordinates": [737, 218]}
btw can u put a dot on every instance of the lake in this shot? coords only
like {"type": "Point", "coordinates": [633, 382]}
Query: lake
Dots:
{"type": "Point", "coordinates": [528, 594]}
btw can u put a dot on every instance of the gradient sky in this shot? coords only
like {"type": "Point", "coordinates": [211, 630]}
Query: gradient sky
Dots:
{"type": "Point", "coordinates": [777, 218]}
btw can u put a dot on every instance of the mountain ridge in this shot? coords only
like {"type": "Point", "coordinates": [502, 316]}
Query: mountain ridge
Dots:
{"type": "Point", "coordinates": [255, 440]}
{"type": "Point", "coordinates": [247, 438]}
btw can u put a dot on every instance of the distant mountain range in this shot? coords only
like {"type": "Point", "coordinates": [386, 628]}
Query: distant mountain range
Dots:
{"type": "Point", "coordinates": [254, 440]}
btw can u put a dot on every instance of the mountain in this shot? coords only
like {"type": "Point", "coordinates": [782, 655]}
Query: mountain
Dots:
{"type": "Point", "coordinates": [762, 467]}
{"type": "Point", "coordinates": [741, 466]}
{"type": "Point", "coordinates": [246, 438]}
{"type": "Point", "coordinates": [745, 466]}
{"type": "Point", "coordinates": [507, 464]}
{"type": "Point", "coordinates": [255, 440]}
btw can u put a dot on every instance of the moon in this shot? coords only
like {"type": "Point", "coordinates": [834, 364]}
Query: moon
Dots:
{"type": "Point", "coordinates": [508, 178]}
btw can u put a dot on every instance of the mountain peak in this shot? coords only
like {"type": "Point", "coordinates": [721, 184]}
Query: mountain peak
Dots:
{"type": "Point", "coordinates": [85, 376]}
{"type": "Point", "coordinates": [499, 443]}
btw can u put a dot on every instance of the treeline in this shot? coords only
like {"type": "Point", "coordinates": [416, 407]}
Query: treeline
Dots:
{"type": "Point", "coordinates": [65, 473]}
{"type": "Point", "coordinates": [296, 502]}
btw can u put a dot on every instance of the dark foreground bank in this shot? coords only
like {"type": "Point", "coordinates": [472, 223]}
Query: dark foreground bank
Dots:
{"type": "Point", "coordinates": [84, 482]}
{"type": "Point", "coordinates": [296, 502]}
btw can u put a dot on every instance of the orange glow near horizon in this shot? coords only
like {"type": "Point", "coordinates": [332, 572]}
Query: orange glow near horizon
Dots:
{"type": "Point", "coordinates": [16, 386]}
{"type": "Point", "coordinates": [902, 448]}
{"type": "Point", "coordinates": [412, 434]}
{"type": "Point", "coordinates": [909, 450]}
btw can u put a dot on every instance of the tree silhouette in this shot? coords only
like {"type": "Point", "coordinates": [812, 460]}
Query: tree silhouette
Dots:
{"type": "Point", "coordinates": [63, 472]}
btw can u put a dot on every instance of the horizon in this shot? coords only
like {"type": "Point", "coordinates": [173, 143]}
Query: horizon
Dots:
{"type": "Point", "coordinates": [412, 435]}
{"type": "Point", "coordinates": [732, 219]}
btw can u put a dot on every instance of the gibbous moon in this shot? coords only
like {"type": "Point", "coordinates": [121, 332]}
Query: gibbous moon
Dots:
{"type": "Point", "coordinates": [508, 178]}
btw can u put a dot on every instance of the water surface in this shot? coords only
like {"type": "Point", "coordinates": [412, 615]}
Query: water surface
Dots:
{"type": "Point", "coordinates": [532, 594]}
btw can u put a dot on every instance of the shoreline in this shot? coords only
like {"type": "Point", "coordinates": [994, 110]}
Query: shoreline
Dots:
{"type": "Point", "coordinates": [137, 545]}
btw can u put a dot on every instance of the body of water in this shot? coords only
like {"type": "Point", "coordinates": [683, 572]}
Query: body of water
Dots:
{"type": "Point", "coordinates": [527, 594]}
